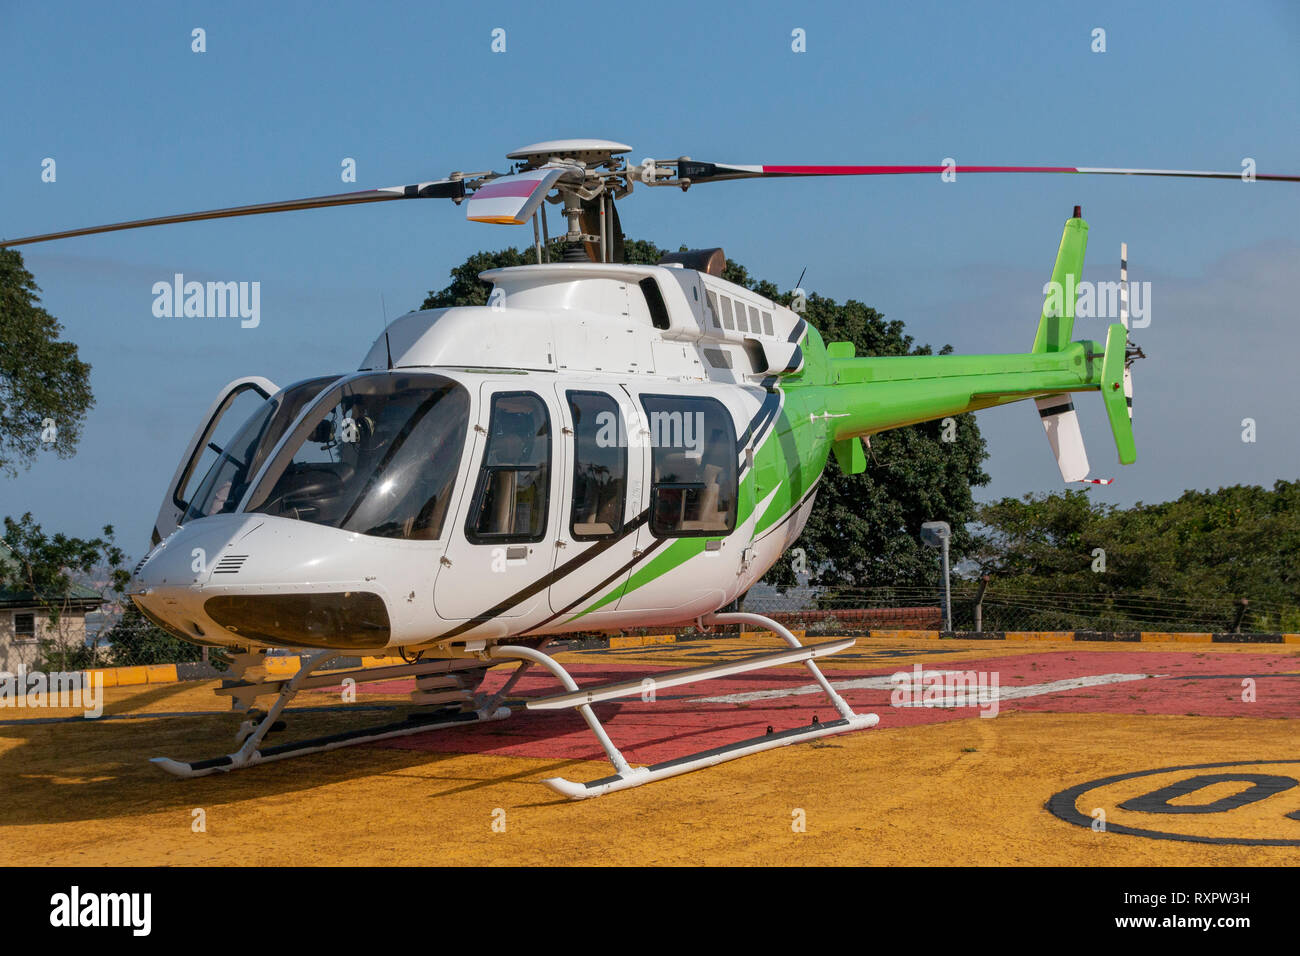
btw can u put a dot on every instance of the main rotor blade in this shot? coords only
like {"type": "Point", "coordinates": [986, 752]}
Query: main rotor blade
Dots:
{"type": "Point", "coordinates": [435, 189]}
{"type": "Point", "coordinates": [707, 172]}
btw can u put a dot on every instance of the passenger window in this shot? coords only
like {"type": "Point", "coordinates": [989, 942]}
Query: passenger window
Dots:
{"type": "Point", "coordinates": [726, 313]}
{"type": "Point", "coordinates": [511, 498]}
{"type": "Point", "coordinates": [712, 301]}
{"type": "Point", "coordinates": [599, 466]}
{"type": "Point", "coordinates": [693, 472]}
{"type": "Point", "coordinates": [742, 324]}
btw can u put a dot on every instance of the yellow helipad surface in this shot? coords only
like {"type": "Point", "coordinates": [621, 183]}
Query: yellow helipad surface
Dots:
{"type": "Point", "coordinates": [959, 791]}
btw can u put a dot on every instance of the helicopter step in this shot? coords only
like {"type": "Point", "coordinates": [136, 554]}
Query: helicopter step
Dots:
{"type": "Point", "coordinates": [244, 691]}
{"type": "Point", "coordinates": [627, 776]}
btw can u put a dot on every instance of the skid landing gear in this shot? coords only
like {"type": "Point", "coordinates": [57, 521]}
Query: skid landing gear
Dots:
{"type": "Point", "coordinates": [627, 776]}
{"type": "Point", "coordinates": [452, 682]}
{"type": "Point", "coordinates": [447, 683]}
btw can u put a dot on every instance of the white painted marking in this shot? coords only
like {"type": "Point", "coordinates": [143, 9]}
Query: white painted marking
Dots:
{"type": "Point", "coordinates": [887, 682]}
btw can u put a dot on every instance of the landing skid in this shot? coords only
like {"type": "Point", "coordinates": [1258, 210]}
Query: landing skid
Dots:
{"type": "Point", "coordinates": [482, 708]}
{"type": "Point", "coordinates": [436, 683]}
{"type": "Point", "coordinates": [627, 776]}
{"type": "Point", "coordinates": [413, 725]}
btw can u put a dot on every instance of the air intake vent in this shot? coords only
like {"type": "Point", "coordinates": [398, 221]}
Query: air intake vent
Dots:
{"type": "Point", "coordinates": [230, 564]}
{"type": "Point", "coordinates": [139, 566]}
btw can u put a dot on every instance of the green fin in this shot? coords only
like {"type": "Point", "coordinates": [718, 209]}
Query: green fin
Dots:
{"type": "Point", "coordinates": [850, 456]}
{"type": "Point", "coordinates": [1112, 393]}
{"type": "Point", "coordinates": [1056, 324]}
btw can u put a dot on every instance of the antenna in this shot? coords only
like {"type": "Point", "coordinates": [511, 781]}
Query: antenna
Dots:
{"type": "Point", "coordinates": [387, 347]}
{"type": "Point", "coordinates": [801, 275]}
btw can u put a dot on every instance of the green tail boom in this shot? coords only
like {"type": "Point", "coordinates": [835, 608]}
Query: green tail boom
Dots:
{"type": "Point", "coordinates": [866, 395]}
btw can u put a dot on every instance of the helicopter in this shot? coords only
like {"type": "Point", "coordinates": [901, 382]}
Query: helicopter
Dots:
{"type": "Point", "coordinates": [603, 446]}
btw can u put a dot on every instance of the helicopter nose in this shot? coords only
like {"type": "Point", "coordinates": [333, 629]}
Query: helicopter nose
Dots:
{"type": "Point", "coordinates": [192, 553]}
{"type": "Point", "coordinates": [167, 585]}
{"type": "Point", "coordinates": [268, 580]}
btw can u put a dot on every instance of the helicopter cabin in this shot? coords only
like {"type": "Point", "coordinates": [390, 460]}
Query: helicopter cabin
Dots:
{"type": "Point", "coordinates": [664, 320]}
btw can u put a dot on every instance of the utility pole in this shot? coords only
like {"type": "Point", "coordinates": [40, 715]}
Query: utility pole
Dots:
{"type": "Point", "coordinates": [935, 534]}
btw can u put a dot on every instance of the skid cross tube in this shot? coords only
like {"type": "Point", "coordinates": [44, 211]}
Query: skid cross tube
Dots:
{"type": "Point", "coordinates": [552, 665]}
{"type": "Point", "coordinates": [740, 617]}
{"type": "Point", "coordinates": [626, 776]}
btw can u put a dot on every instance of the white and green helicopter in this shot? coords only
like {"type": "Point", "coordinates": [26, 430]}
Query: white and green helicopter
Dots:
{"type": "Point", "coordinates": [603, 446]}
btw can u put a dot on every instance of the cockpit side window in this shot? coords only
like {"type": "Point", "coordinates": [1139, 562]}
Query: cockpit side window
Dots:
{"type": "Point", "coordinates": [227, 479]}
{"type": "Point", "coordinates": [513, 490]}
{"type": "Point", "coordinates": [599, 466]}
{"type": "Point", "coordinates": [693, 466]}
{"type": "Point", "coordinates": [377, 455]}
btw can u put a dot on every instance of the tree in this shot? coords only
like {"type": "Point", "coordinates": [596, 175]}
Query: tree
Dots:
{"type": "Point", "coordinates": [44, 387]}
{"type": "Point", "coordinates": [864, 529]}
{"type": "Point", "coordinates": [1204, 550]}
{"type": "Point", "coordinates": [136, 640]}
{"type": "Point", "coordinates": [61, 574]}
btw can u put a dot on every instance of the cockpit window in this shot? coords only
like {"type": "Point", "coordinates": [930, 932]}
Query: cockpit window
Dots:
{"type": "Point", "coordinates": [227, 479]}
{"type": "Point", "coordinates": [377, 455]}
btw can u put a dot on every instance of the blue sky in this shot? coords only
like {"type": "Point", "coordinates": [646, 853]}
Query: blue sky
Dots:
{"type": "Point", "coordinates": [139, 126]}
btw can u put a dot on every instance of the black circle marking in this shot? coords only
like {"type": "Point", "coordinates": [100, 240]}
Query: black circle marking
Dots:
{"type": "Point", "coordinates": [1061, 805]}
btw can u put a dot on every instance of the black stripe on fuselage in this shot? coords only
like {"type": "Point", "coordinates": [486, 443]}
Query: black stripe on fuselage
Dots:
{"type": "Point", "coordinates": [758, 425]}
{"type": "Point", "coordinates": [812, 490]}
{"type": "Point", "coordinates": [625, 569]}
{"type": "Point", "coordinates": [546, 580]}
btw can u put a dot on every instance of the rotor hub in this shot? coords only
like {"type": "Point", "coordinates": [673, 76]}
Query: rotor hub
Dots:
{"type": "Point", "coordinates": [587, 152]}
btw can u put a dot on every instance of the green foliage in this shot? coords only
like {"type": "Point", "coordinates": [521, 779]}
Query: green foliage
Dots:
{"type": "Point", "coordinates": [1206, 546]}
{"type": "Point", "coordinates": [59, 574]}
{"type": "Point", "coordinates": [135, 640]}
{"type": "Point", "coordinates": [41, 377]}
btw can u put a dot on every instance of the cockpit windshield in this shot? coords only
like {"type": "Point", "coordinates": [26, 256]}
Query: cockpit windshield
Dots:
{"type": "Point", "coordinates": [377, 455]}
{"type": "Point", "coordinates": [226, 481]}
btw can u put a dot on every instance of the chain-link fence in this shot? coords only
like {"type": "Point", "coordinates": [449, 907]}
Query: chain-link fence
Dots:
{"type": "Point", "coordinates": [1002, 608]}
{"type": "Point", "coordinates": [832, 610]}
